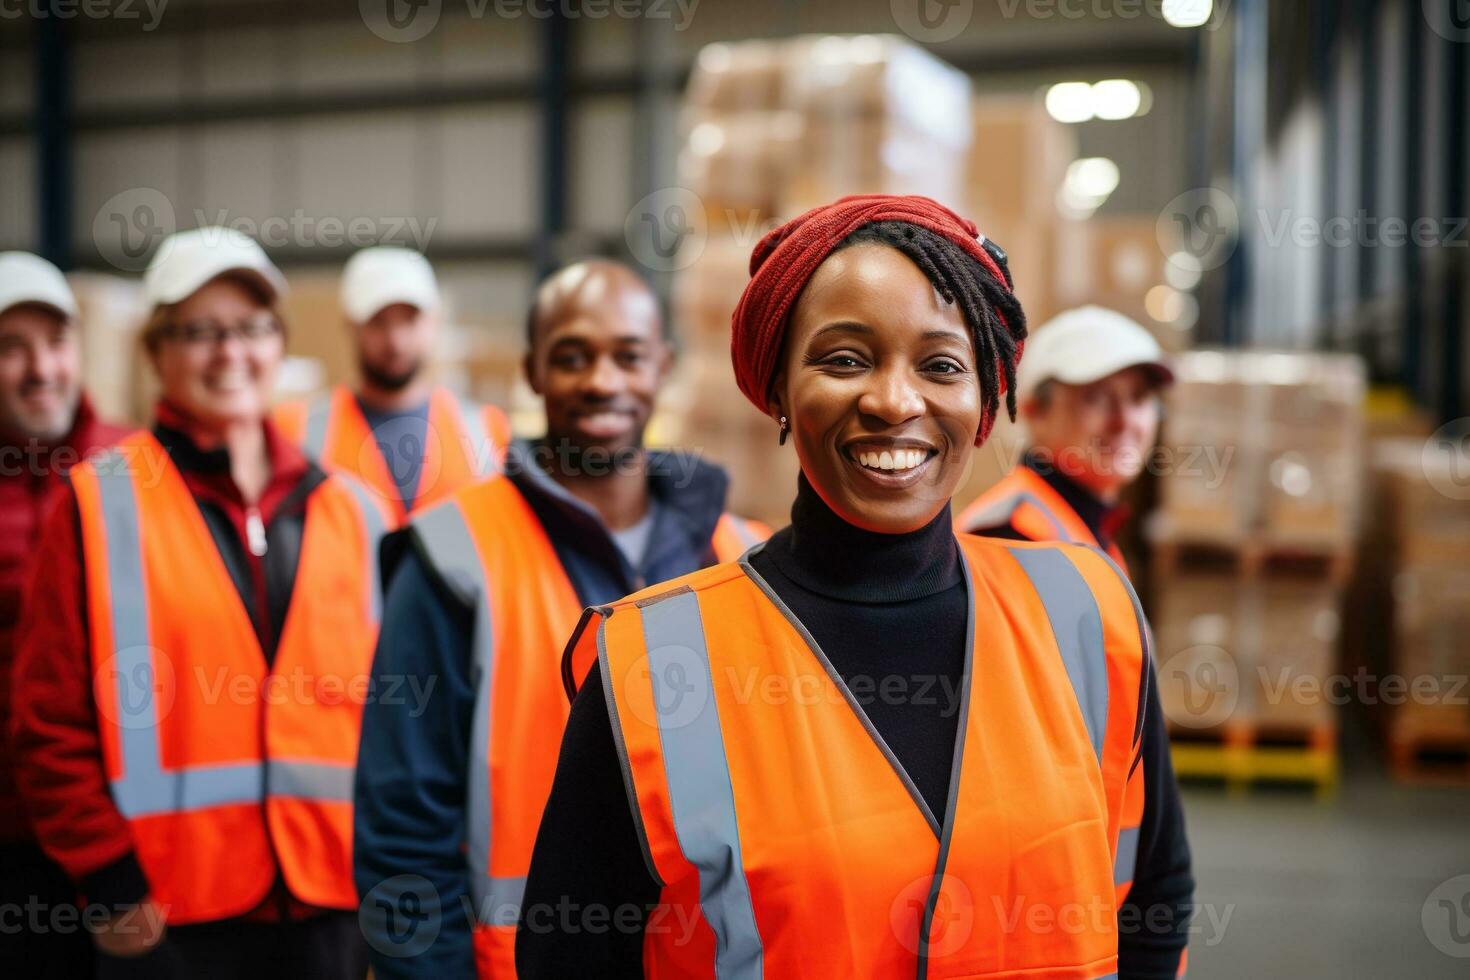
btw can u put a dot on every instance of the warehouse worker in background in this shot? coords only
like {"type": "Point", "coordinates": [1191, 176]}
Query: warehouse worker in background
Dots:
{"type": "Point", "coordinates": [46, 426]}
{"type": "Point", "coordinates": [484, 590]}
{"type": "Point", "coordinates": [411, 441]}
{"type": "Point", "coordinates": [192, 659]}
{"type": "Point", "coordinates": [1088, 391]}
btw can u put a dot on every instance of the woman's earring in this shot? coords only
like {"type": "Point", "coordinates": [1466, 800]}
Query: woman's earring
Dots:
{"type": "Point", "coordinates": [785, 431]}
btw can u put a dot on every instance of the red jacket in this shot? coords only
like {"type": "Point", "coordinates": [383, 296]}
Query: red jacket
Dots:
{"type": "Point", "coordinates": [30, 478]}
{"type": "Point", "coordinates": [57, 748]}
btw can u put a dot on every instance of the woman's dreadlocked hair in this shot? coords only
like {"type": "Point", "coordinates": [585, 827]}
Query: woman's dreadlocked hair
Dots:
{"type": "Point", "coordinates": [997, 322]}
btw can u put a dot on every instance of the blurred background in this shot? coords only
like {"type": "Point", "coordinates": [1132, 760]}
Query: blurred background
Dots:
{"type": "Point", "coordinates": [1276, 188]}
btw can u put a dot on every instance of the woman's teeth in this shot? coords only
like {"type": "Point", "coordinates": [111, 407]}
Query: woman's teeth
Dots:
{"type": "Point", "coordinates": [898, 459]}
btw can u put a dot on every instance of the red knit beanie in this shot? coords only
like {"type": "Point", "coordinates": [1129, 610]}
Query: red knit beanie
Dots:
{"type": "Point", "coordinates": [785, 259]}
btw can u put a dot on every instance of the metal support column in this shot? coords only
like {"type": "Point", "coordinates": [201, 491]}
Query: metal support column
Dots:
{"type": "Point", "coordinates": [556, 44]}
{"type": "Point", "coordinates": [53, 139]}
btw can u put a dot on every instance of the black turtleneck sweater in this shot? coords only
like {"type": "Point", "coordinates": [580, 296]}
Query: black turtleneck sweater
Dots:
{"type": "Point", "coordinates": [870, 601]}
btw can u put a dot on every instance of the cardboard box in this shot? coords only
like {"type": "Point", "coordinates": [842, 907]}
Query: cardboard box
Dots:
{"type": "Point", "coordinates": [1203, 667]}
{"type": "Point", "coordinates": [1295, 660]}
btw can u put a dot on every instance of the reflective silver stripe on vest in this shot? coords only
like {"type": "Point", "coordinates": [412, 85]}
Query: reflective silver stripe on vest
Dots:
{"type": "Point", "coordinates": [145, 787]}
{"type": "Point", "coordinates": [1000, 513]}
{"type": "Point", "coordinates": [373, 530]}
{"type": "Point", "coordinates": [1127, 855]}
{"type": "Point", "coordinates": [743, 531]}
{"type": "Point", "coordinates": [700, 793]}
{"type": "Point", "coordinates": [450, 547]}
{"type": "Point", "coordinates": [318, 415]}
{"type": "Point", "coordinates": [1077, 625]}
{"type": "Point", "coordinates": [478, 444]}
{"type": "Point", "coordinates": [310, 780]}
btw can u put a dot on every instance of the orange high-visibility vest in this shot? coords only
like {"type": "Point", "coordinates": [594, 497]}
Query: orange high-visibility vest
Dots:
{"type": "Point", "coordinates": [486, 543]}
{"type": "Point", "coordinates": [463, 442]}
{"type": "Point", "coordinates": [781, 826]}
{"type": "Point", "coordinates": [226, 768]}
{"type": "Point", "coordinates": [1028, 503]}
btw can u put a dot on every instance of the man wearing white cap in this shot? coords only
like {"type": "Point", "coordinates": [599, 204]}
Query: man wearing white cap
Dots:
{"type": "Point", "coordinates": [411, 441]}
{"type": "Point", "coordinates": [191, 662]}
{"type": "Point", "coordinates": [1088, 391]}
{"type": "Point", "coordinates": [46, 425]}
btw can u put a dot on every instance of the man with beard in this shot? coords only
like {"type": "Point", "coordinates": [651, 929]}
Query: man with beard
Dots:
{"type": "Point", "coordinates": [462, 727]}
{"type": "Point", "coordinates": [46, 426]}
{"type": "Point", "coordinates": [411, 441]}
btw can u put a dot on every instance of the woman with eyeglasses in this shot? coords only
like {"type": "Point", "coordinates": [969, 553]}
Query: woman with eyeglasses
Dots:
{"type": "Point", "coordinates": [871, 747]}
{"type": "Point", "coordinates": [194, 656]}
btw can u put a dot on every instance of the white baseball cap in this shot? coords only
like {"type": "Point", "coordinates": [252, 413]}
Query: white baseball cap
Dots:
{"type": "Point", "coordinates": [186, 261]}
{"type": "Point", "coordinates": [1085, 345]}
{"type": "Point", "coordinates": [27, 278]}
{"type": "Point", "coordinates": [378, 277]}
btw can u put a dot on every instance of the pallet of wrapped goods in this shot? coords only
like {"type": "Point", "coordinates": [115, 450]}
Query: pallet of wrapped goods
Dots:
{"type": "Point", "coordinates": [1428, 544]}
{"type": "Point", "coordinates": [1205, 490]}
{"type": "Point", "coordinates": [1244, 673]}
{"type": "Point", "coordinates": [738, 165]}
{"type": "Point", "coordinates": [880, 155]}
{"type": "Point", "coordinates": [1314, 464]}
{"type": "Point", "coordinates": [1429, 738]}
{"type": "Point", "coordinates": [1018, 160]}
{"type": "Point", "coordinates": [114, 372]}
{"type": "Point", "coordinates": [1266, 458]}
{"type": "Point", "coordinates": [1296, 630]}
{"type": "Point", "coordinates": [1198, 652]}
{"type": "Point", "coordinates": [744, 77]}
{"type": "Point", "coordinates": [880, 115]}
{"type": "Point", "coordinates": [707, 290]}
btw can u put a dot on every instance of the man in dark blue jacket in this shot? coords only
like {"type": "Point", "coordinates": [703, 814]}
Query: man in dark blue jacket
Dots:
{"type": "Point", "coordinates": [464, 586]}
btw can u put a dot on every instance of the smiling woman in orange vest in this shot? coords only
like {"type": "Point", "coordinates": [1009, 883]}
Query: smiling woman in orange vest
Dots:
{"type": "Point", "coordinates": [870, 747]}
{"type": "Point", "coordinates": [187, 736]}
{"type": "Point", "coordinates": [413, 443]}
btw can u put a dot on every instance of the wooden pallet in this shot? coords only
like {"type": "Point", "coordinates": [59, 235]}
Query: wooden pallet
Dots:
{"type": "Point", "coordinates": [1242, 753]}
{"type": "Point", "coordinates": [1429, 757]}
{"type": "Point", "coordinates": [1256, 556]}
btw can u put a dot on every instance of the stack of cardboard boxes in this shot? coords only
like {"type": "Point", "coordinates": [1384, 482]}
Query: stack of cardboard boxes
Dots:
{"type": "Point", "coordinates": [774, 128]}
{"type": "Point", "coordinates": [1017, 165]}
{"type": "Point", "coordinates": [1259, 498]}
{"type": "Point", "coordinates": [1424, 569]}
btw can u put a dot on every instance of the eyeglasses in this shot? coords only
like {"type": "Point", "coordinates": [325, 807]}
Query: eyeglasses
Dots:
{"type": "Point", "coordinates": [211, 333]}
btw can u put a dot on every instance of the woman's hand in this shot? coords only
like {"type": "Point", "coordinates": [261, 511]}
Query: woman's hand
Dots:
{"type": "Point", "coordinates": [134, 932]}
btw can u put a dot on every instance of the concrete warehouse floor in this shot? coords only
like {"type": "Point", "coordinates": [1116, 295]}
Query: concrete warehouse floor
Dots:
{"type": "Point", "coordinates": [1292, 887]}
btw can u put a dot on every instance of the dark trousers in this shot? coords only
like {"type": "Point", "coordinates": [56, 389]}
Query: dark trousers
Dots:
{"type": "Point", "coordinates": [41, 931]}
{"type": "Point", "coordinates": [325, 947]}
